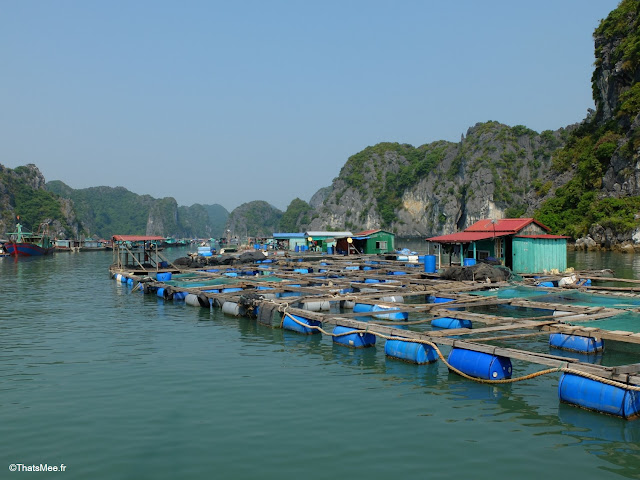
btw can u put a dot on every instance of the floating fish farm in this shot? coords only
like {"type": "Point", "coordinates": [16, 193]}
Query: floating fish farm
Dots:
{"type": "Point", "coordinates": [560, 325]}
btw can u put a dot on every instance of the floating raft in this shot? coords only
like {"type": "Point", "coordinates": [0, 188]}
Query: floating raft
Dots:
{"type": "Point", "coordinates": [363, 301]}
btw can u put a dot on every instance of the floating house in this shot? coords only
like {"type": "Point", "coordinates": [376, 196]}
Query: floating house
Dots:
{"type": "Point", "coordinates": [370, 242]}
{"type": "Point", "coordinates": [319, 241]}
{"type": "Point", "coordinates": [522, 244]}
{"type": "Point", "coordinates": [289, 241]}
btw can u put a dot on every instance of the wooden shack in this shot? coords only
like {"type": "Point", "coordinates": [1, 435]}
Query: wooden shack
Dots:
{"type": "Point", "coordinates": [522, 244]}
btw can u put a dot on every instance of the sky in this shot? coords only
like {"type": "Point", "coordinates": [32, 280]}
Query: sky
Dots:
{"type": "Point", "coordinates": [233, 101]}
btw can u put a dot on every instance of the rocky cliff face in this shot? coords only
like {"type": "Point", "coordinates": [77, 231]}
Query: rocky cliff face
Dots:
{"type": "Point", "coordinates": [494, 171]}
{"type": "Point", "coordinates": [22, 192]}
{"type": "Point", "coordinates": [617, 94]}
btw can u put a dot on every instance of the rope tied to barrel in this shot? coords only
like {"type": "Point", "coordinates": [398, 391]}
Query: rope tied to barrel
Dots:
{"type": "Point", "coordinates": [562, 369]}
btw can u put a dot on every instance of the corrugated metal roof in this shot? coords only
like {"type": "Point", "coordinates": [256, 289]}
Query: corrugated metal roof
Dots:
{"type": "Point", "coordinates": [135, 238]}
{"type": "Point", "coordinates": [328, 234]}
{"type": "Point", "coordinates": [465, 237]}
{"type": "Point", "coordinates": [288, 235]}
{"type": "Point", "coordinates": [367, 232]}
{"type": "Point", "coordinates": [510, 225]}
{"type": "Point", "coordinates": [547, 236]}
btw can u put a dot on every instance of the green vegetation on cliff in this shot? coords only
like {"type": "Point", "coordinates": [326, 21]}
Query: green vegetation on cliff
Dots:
{"type": "Point", "coordinates": [254, 219]}
{"type": "Point", "coordinates": [33, 205]}
{"type": "Point", "coordinates": [296, 217]}
{"type": "Point", "coordinates": [603, 139]}
{"type": "Point", "coordinates": [106, 211]}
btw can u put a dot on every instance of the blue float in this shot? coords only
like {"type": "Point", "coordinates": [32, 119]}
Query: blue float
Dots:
{"type": "Point", "coordinates": [362, 308]}
{"type": "Point", "coordinates": [179, 296]}
{"type": "Point", "coordinates": [163, 277]}
{"type": "Point", "coordinates": [598, 396]}
{"type": "Point", "coordinates": [160, 292]}
{"type": "Point", "coordinates": [433, 299]}
{"type": "Point", "coordinates": [289, 323]}
{"type": "Point", "coordinates": [410, 351]}
{"type": "Point", "coordinates": [378, 312]}
{"type": "Point", "coordinates": [480, 365]}
{"type": "Point", "coordinates": [452, 323]}
{"type": "Point", "coordinates": [429, 263]}
{"type": "Point", "coordinates": [576, 343]}
{"type": "Point", "coordinates": [353, 340]}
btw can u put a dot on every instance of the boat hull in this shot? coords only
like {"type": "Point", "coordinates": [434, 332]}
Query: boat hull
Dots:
{"type": "Point", "coordinates": [27, 250]}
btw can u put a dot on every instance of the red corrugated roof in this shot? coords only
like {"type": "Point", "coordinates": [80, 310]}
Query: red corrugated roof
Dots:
{"type": "Point", "coordinates": [135, 238]}
{"type": "Point", "coordinates": [465, 237]}
{"type": "Point", "coordinates": [508, 225]}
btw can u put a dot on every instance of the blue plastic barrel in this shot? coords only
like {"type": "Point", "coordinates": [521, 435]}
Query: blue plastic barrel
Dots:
{"type": "Point", "coordinates": [179, 296]}
{"type": "Point", "coordinates": [410, 351]}
{"type": "Point", "coordinates": [362, 308]}
{"type": "Point", "coordinates": [433, 299]}
{"type": "Point", "coordinates": [430, 264]}
{"type": "Point", "coordinates": [290, 324]}
{"type": "Point", "coordinates": [469, 261]}
{"type": "Point", "coordinates": [378, 312]}
{"type": "Point", "coordinates": [594, 395]}
{"type": "Point", "coordinates": [330, 250]}
{"type": "Point", "coordinates": [447, 322]}
{"type": "Point", "coordinates": [353, 340]}
{"type": "Point", "coordinates": [480, 365]}
{"type": "Point", "coordinates": [297, 248]}
{"type": "Point", "coordinates": [163, 277]}
{"type": "Point", "coordinates": [576, 343]}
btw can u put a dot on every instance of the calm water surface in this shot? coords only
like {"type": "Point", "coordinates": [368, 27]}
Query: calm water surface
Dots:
{"type": "Point", "coordinates": [115, 384]}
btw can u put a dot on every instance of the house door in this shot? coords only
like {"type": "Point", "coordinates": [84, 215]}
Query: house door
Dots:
{"type": "Point", "coordinates": [508, 253]}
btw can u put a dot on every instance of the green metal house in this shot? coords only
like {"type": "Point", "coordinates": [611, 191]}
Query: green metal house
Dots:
{"type": "Point", "coordinates": [369, 242]}
{"type": "Point", "coordinates": [374, 241]}
{"type": "Point", "coordinates": [522, 244]}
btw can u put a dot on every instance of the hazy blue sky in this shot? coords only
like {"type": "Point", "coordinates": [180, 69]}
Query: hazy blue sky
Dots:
{"type": "Point", "coordinates": [228, 102]}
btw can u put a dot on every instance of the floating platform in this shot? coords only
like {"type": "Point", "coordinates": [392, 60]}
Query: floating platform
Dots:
{"type": "Point", "coordinates": [369, 301]}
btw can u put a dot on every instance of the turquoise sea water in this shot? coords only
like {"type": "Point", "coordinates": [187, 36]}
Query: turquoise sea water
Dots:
{"type": "Point", "coordinates": [115, 384]}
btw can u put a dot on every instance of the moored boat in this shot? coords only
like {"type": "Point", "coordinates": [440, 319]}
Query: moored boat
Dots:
{"type": "Point", "coordinates": [28, 244]}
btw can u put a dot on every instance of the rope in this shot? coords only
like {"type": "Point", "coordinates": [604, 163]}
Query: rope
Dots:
{"type": "Point", "coordinates": [548, 371]}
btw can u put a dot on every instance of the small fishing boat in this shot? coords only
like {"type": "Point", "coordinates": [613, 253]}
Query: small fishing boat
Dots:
{"type": "Point", "coordinates": [28, 244]}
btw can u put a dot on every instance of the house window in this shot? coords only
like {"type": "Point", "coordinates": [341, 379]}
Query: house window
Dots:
{"type": "Point", "coordinates": [482, 254]}
{"type": "Point", "coordinates": [381, 245]}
